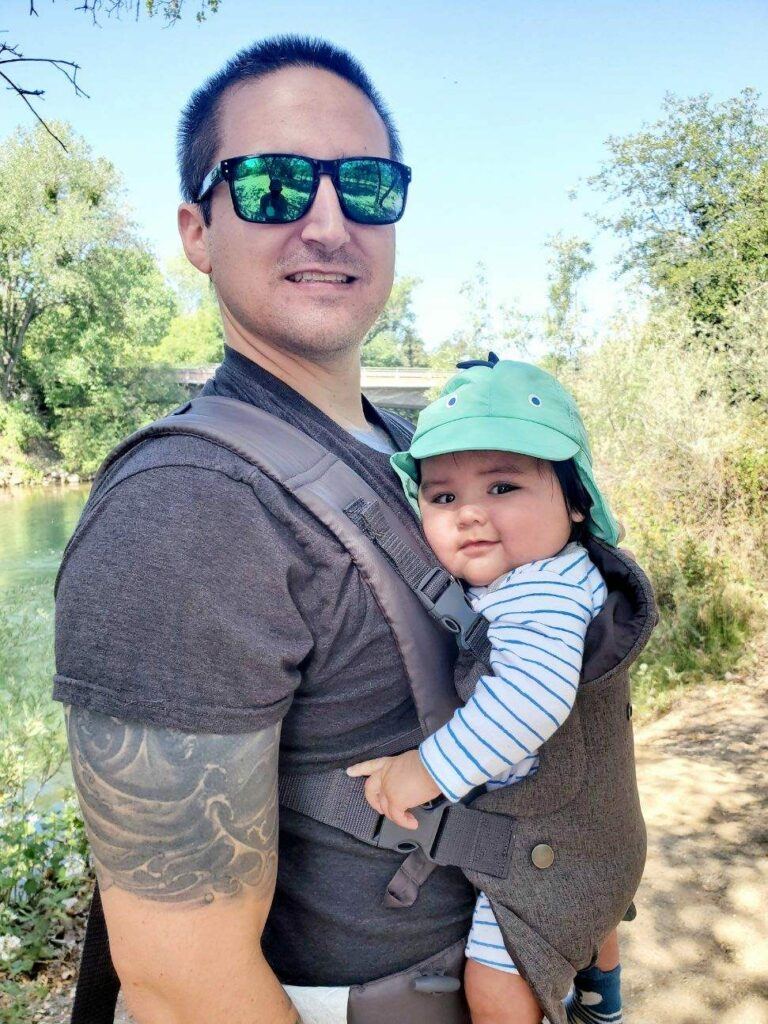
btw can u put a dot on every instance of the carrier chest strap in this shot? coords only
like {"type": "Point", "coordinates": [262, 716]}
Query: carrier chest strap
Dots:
{"type": "Point", "coordinates": [448, 834]}
{"type": "Point", "coordinates": [439, 591]}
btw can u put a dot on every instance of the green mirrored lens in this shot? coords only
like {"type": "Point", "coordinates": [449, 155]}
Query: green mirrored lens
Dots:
{"type": "Point", "coordinates": [273, 189]}
{"type": "Point", "coordinates": [373, 190]}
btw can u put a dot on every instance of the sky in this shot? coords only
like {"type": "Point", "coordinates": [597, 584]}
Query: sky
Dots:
{"type": "Point", "coordinates": [524, 93]}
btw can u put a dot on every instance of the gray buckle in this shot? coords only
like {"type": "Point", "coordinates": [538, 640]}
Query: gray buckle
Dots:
{"type": "Point", "coordinates": [451, 609]}
{"type": "Point", "coordinates": [405, 840]}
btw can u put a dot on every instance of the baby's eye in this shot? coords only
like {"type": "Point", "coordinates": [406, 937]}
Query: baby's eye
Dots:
{"type": "Point", "coordinates": [443, 499]}
{"type": "Point", "coordinates": [503, 488]}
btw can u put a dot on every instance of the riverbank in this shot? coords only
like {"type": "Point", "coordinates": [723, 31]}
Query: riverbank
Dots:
{"type": "Point", "coordinates": [14, 476]}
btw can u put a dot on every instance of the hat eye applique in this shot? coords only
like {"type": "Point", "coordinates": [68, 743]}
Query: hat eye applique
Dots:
{"type": "Point", "coordinates": [534, 400]}
{"type": "Point", "coordinates": [451, 401]}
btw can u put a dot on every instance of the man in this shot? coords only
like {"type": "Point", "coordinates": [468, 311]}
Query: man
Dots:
{"type": "Point", "coordinates": [209, 628]}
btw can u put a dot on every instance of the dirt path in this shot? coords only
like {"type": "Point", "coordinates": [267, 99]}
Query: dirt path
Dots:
{"type": "Point", "coordinates": [698, 951]}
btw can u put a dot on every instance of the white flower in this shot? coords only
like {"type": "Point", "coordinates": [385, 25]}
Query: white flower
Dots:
{"type": "Point", "coordinates": [70, 904]}
{"type": "Point", "coordinates": [8, 943]}
{"type": "Point", "coordinates": [73, 865]}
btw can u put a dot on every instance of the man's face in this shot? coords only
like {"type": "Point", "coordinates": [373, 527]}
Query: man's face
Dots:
{"type": "Point", "coordinates": [312, 113]}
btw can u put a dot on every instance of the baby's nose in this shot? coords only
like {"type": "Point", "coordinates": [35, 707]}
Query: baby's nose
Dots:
{"type": "Point", "coordinates": [471, 514]}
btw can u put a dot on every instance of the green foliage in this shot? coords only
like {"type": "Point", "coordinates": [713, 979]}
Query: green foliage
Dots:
{"type": "Point", "coordinates": [43, 875]}
{"type": "Point", "coordinates": [487, 327]}
{"type": "Point", "coordinates": [32, 744]}
{"type": "Point", "coordinates": [92, 364]}
{"type": "Point", "coordinates": [44, 883]}
{"type": "Point", "coordinates": [20, 434]}
{"type": "Point", "coordinates": [691, 197]}
{"type": "Point", "coordinates": [84, 305]}
{"type": "Point", "coordinates": [684, 467]}
{"type": "Point", "coordinates": [194, 336]}
{"type": "Point", "coordinates": [569, 264]}
{"type": "Point", "coordinates": [393, 339]}
{"type": "Point", "coordinates": [55, 207]}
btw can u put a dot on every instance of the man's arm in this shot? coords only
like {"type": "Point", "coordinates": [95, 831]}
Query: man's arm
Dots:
{"type": "Point", "coordinates": [183, 831]}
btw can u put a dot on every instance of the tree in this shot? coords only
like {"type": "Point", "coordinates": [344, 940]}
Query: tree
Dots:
{"type": "Point", "coordinates": [691, 196]}
{"type": "Point", "coordinates": [393, 339]}
{"type": "Point", "coordinates": [56, 208]}
{"type": "Point", "coordinates": [195, 336]}
{"type": "Point", "coordinates": [476, 337]}
{"type": "Point", "coordinates": [10, 53]}
{"type": "Point", "coordinates": [82, 301]}
{"type": "Point", "coordinates": [90, 364]}
{"type": "Point", "coordinates": [569, 264]}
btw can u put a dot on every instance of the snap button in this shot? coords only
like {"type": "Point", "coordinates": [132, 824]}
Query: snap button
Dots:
{"type": "Point", "coordinates": [629, 710]}
{"type": "Point", "coordinates": [543, 856]}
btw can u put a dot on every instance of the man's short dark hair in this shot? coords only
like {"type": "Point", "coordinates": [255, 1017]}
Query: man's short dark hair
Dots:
{"type": "Point", "coordinates": [198, 136]}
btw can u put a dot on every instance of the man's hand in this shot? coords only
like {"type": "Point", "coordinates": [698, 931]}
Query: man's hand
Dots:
{"type": "Point", "coordinates": [396, 783]}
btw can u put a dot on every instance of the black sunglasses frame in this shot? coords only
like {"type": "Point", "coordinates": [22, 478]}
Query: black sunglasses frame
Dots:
{"type": "Point", "coordinates": [226, 170]}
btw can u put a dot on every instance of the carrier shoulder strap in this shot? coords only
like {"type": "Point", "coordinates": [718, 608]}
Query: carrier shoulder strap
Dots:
{"type": "Point", "coordinates": [403, 585]}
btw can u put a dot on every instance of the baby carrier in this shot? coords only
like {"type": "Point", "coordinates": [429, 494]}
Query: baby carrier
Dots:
{"type": "Point", "coordinates": [560, 854]}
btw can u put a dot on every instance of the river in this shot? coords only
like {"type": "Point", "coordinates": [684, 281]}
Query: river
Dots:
{"type": "Point", "coordinates": [35, 524]}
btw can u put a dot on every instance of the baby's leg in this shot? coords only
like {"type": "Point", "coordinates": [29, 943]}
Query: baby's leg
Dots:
{"type": "Point", "coordinates": [495, 991]}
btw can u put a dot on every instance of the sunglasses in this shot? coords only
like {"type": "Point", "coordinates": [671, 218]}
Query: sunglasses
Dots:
{"type": "Point", "coordinates": [278, 188]}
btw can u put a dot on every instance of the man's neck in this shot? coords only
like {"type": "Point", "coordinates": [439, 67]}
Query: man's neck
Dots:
{"type": "Point", "coordinates": [333, 386]}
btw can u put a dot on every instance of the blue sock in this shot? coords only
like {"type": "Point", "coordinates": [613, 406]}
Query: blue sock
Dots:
{"type": "Point", "coordinates": [595, 997]}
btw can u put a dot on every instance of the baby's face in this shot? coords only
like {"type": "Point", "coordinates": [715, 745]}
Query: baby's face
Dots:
{"type": "Point", "coordinates": [487, 512]}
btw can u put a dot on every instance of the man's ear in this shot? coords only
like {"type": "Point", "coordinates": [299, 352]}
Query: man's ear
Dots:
{"type": "Point", "coordinates": [193, 236]}
{"type": "Point", "coordinates": [577, 517]}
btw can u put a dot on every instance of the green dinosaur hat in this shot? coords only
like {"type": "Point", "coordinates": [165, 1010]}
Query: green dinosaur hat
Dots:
{"type": "Point", "coordinates": [504, 405]}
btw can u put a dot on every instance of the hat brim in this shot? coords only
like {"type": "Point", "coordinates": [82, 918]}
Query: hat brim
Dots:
{"type": "Point", "coordinates": [480, 433]}
{"type": "Point", "coordinates": [521, 437]}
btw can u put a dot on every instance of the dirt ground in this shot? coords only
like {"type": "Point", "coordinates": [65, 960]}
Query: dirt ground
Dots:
{"type": "Point", "coordinates": [697, 952]}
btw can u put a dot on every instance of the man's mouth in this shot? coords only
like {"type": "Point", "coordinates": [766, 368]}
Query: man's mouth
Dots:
{"type": "Point", "coordinates": [320, 277]}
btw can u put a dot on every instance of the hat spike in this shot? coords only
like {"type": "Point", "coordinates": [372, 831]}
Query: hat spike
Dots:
{"type": "Point", "coordinates": [467, 364]}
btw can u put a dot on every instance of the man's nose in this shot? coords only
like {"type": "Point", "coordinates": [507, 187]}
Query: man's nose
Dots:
{"type": "Point", "coordinates": [324, 223]}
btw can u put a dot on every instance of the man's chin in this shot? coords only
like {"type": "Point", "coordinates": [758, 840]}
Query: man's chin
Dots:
{"type": "Point", "coordinates": [319, 339]}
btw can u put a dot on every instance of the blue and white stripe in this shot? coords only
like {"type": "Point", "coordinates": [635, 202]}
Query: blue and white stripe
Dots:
{"type": "Point", "coordinates": [538, 615]}
{"type": "Point", "coordinates": [485, 943]}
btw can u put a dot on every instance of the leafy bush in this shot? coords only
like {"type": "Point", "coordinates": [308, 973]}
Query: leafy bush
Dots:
{"type": "Point", "coordinates": [684, 464]}
{"type": "Point", "coordinates": [20, 430]}
{"type": "Point", "coordinates": [44, 884]}
{"type": "Point", "coordinates": [44, 879]}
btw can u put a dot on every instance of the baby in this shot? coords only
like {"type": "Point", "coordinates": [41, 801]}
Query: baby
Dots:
{"type": "Point", "coordinates": [500, 472]}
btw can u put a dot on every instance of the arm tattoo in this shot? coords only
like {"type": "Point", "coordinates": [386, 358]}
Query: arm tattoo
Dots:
{"type": "Point", "coordinates": [174, 816]}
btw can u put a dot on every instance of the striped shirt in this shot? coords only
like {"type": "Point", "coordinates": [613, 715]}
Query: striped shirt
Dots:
{"type": "Point", "coordinates": [538, 615]}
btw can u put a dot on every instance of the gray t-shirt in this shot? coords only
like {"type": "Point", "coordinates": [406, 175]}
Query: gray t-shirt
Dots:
{"type": "Point", "coordinates": [200, 596]}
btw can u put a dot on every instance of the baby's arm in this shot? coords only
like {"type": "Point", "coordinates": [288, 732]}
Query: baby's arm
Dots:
{"type": "Point", "coordinates": [537, 624]}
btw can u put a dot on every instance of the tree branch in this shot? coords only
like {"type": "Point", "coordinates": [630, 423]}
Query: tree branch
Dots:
{"type": "Point", "coordinates": [67, 67]}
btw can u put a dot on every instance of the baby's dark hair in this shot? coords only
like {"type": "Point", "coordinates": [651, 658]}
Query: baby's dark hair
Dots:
{"type": "Point", "coordinates": [576, 496]}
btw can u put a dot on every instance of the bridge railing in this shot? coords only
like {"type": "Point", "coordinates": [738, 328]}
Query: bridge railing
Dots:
{"type": "Point", "coordinates": [401, 377]}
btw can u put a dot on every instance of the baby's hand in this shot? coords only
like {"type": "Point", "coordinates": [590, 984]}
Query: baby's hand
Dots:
{"type": "Point", "coordinates": [396, 783]}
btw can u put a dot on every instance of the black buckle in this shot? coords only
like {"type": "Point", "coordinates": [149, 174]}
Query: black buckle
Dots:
{"type": "Point", "coordinates": [405, 840]}
{"type": "Point", "coordinates": [451, 609]}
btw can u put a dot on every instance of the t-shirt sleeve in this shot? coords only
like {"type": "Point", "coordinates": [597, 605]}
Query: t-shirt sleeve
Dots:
{"type": "Point", "coordinates": [178, 606]}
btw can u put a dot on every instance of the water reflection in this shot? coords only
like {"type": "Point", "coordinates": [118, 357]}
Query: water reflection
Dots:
{"type": "Point", "coordinates": [35, 525]}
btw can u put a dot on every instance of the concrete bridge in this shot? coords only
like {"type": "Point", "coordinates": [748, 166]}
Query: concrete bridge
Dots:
{"type": "Point", "coordinates": [395, 387]}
